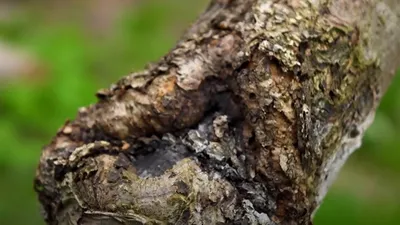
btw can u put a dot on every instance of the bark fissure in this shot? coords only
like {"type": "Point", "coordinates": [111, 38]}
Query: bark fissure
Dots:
{"type": "Point", "coordinates": [246, 121]}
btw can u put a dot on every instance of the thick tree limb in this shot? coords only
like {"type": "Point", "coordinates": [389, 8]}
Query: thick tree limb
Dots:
{"type": "Point", "coordinates": [245, 121]}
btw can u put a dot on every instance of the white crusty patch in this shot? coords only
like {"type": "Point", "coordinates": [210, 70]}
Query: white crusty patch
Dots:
{"type": "Point", "coordinates": [191, 73]}
{"type": "Point", "coordinates": [333, 165]}
{"type": "Point", "coordinates": [266, 7]}
{"type": "Point", "coordinates": [253, 216]}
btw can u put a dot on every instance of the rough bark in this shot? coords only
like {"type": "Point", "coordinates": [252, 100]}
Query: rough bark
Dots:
{"type": "Point", "coordinates": [245, 121]}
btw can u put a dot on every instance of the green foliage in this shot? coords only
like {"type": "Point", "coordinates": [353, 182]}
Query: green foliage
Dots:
{"type": "Point", "coordinates": [78, 64]}
{"type": "Point", "coordinates": [343, 208]}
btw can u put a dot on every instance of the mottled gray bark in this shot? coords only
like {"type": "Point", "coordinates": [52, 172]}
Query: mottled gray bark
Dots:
{"type": "Point", "coordinates": [245, 121]}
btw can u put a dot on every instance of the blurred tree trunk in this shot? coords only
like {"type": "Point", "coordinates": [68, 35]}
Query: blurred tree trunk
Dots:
{"type": "Point", "coordinates": [246, 121]}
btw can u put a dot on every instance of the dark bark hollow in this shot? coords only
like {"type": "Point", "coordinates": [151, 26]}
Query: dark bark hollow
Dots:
{"type": "Point", "coordinates": [245, 121]}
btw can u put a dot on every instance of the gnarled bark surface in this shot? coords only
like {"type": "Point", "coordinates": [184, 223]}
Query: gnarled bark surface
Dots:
{"type": "Point", "coordinates": [245, 121]}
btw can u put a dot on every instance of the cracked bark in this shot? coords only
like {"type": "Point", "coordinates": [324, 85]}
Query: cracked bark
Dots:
{"type": "Point", "coordinates": [246, 121]}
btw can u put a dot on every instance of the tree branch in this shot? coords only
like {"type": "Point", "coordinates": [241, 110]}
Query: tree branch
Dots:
{"type": "Point", "coordinates": [246, 121]}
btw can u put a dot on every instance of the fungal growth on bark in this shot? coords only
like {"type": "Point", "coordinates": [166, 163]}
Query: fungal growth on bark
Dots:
{"type": "Point", "coordinates": [246, 121]}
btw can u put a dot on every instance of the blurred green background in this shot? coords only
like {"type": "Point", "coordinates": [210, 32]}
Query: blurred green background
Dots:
{"type": "Point", "coordinates": [55, 54]}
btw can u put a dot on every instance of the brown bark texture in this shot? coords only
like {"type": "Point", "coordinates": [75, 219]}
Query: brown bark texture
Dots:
{"type": "Point", "coordinates": [245, 121]}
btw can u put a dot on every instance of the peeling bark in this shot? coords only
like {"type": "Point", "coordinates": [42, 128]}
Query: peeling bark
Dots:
{"type": "Point", "coordinates": [246, 121]}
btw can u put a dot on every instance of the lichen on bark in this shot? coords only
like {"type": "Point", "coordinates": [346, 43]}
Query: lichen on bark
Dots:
{"type": "Point", "coordinates": [245, 121]}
